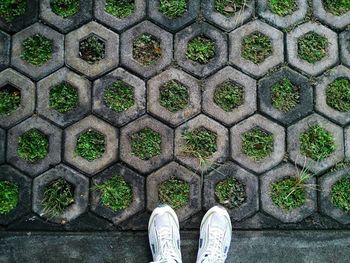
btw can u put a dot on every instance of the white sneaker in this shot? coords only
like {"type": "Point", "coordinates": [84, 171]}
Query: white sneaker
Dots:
{"type": "Point", "coordinates": [164, 235]}
{"type": "Point", "coordinates": [215, 236]}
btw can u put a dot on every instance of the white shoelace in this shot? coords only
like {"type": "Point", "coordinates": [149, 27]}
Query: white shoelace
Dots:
{"type": "Point", "coordinates": [215, 250]}
{"type": "Point", "coordinates": [167, 250]}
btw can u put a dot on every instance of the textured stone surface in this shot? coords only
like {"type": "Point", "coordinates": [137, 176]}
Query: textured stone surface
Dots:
{"type": "Point", "coordinates": [344, 40]}
{"type": "Point", "coordinates": [2, 145]}
{"type": "Point", "coordinates": [338, 22]}
{"type": "Point", "coordinates": [5, 46]}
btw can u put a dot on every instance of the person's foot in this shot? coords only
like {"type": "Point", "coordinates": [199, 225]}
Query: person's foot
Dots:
{"type": "Point", "coordinates": [215, 236]}
{"type": "Point", "coordinates": [164, 235]}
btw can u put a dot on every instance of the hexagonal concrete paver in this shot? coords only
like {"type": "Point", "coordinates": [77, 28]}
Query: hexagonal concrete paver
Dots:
{"type": "Point", "coordinates": [81, 84]}
{"type": "Point", "coordinates": [202, 121]}
{"type": "Point", "coordinates": [166, 144]}
{"type": "Point", "coordinates": [66, 24]}
{"type": "Point", "coordinates": [137, 183]}
{"type": "Point", "coordinates": [339, 72]}
{"type": "Point", "coordinates": [305, 96]}
{"type": "Point", "coordinates": [166, 46]}
{"type": "Point", "coordinates": [256, 26]}
{"type": "Point", "coordinates": [81, 193]}
{"type": "Point", "coordinates": [100, 106]}
{"type": "Point", "coordinates": [264, 10]}
{"type": "Point", "coordinates": [110, 59]}
{"type": "Point", "coordinates": [338, 22]}
{"type": "Point", "coordinates": [5, 46]}
{"type": "Point", "coordinates": [174, 170]}
{"type": "Point", "coordinates": [344, 41]}
{"type": "Point", "coordinates": [251, 204]}
{"type": "Point", "coordinates": [320, 66]}
{"type": "Point", "coordinates": [119, 24]}
{"type": "Point", "coordinates": [294, 133]}
{"type": "Point", "coordinates": [14, 80]}
{"type": "Point", "coordinates": [287, 216]}
{"type": "Point", "coordinates": [230, 22]}
{"type": "Point", "coordinates": [248, 106]}
{"type": "Point", "coordinates": [2, 145]}
{"type": "Point", "coordinates": [24, 186]}
{"type": "Point", "coordinates": [182, 39]}
{"type": "Point", "coordinates": [38, 71]}
{"type": "Point", "coordinates": [54, 136]}
{"type": "Point", "coordinates": [327, 182]}
{"type": "Point", "coordinates": [194, 96]}
{"type": "Point", "coordinates": [110, 153]}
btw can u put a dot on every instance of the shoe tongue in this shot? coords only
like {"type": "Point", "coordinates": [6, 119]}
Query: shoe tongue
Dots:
{"type": "Point", "coordinates": [218, 221]}
{"type": "Point", "coordinates": [163, 221]}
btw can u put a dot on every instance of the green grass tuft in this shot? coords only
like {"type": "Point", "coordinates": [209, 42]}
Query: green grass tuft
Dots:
{"type": "Point", "coordinates": [229, 96]}
{"type": "Point", "coordinates": [340, 194]}
{"type": "Point", "coordinates": [33, 146]}
{"type": "Point", "coordinates": [63, 98]}
{"type": "Point", "coordinates": [174, 192]}
{"type": "Point", "coordinates": [116, 193]}
{"type": "Point", "coordinates": [285, 95]}
{"type": "Point", "coordinates": [173, 8]}
{"type": "Point", "coordinates": [146, 144]}
{"type": "Point", "coordinates": [317, 143]}
{"type": "Point", "coordinates": [10, 99]}
{"type": "Point", "coordinates": [92, 49]}
{"type": "Point", "coordinates": [65, 8]}
{"type": "Point", "coordinates": [257, 143]}
{"type": "Point", "coordinates": [9, 197]}
{"type": "Point", "coordinates": [200, 49]}
{"type": "Point", "coordinates": [230, 7]}
{"type": "Point", "coordinates": [146, 49]}
{"type": "Point", "coordinates": [173, 96]}
{"type": "Point", "coordinates": [200, 142]}
{"type": "Point", "coordinates": [289, 193]}
{"type": "Point", "coordinates": [120, 8]}
{"type": "Point", "coordinates": [119, 96]}
{"type": "Point", "coordinates": [91, 145]}
{"type": "Point", "coordinates": [337, 7]}
{"type": "Point", "coordinates": [256, 47]}
{"type": "Point", "coordinates": [11, 9]}
{"type": "Point", "coordinates": [338, 95]}
{"type": "Point", "coordinates": [283, 7]}
{"type": "Point", "coordinates": [312, 47]}
{"type": "Point", "coordinates": [231, 193]}
{"type": "Point", "coordinates": [58, 196]}
{"type": "Point", "coordinates": [37, 50]}
{"type": "Point", "coordinates": [340, 166]}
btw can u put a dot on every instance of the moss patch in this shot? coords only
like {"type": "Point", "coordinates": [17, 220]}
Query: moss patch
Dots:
{"type": "Point", "coordinates": [338, 95]}
{"type": "Point", "coordinates": [63, 98]}
{"type": "Point", "coordinates": [92, 49]}
{"type": "Point", "coordinates": [91, 145]}
{"type": "Point", "coordinates": [340, 194]}
{"type": "Point", "coordinates": [288, 193]}
{"type": "Point", "coordinates": [9, 197]}
{"type": "Point", "coordinates": [120, 8]}
{"type": "Point", "coordinates": [37, 50]}
{"type": "Point", "coordinates": [283, 7]}
{"type": "Point", "coordinates": [200, 49]}
{"type": "Point", "coordinates": [230, 7]}
{"type": "Point", "coordinates": [33, 145]}
{"type": "Point", "coordinates": [11, 9]}
{"type": "Point", "coordinates": [65, 8]}
{"type": "Point", "coordinates": [173, 8]}
{"type": "Point", "coordinates": [229, 96]}
{"type": "Point", "coordinates": [312, 47]}
{"type": "Point", "coordinates": [119, 96]}
{"type": "Point", "coordinates": [58, 196]}
{"type": "Point", "coordinates": [200, 142]}
{"type": "Point", "coordinates": [146, 144]}
{"type": "Point", "coordinates": [146, 49]}
{"type": "Point", "coordinates": [257, 143]}
{"type": "Point", "coordinates": [256, 47]}
{"type": "Point", "coordinates": [337, 7]}
{"type": "Point", "coordinates": [173, 96]}
{"type": "Point", "coordinates": [116, 193]}
{"type": "Point", "coordinates": [285, 95]}
{"type": "Point", "coordinates": [174, 192]}
{"type": "Point", "coordinates": [10, 99]}
{"type": "Point", "coordinates": [230, 193]}
{"type": "Point", "coordinates": [317, 143]}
